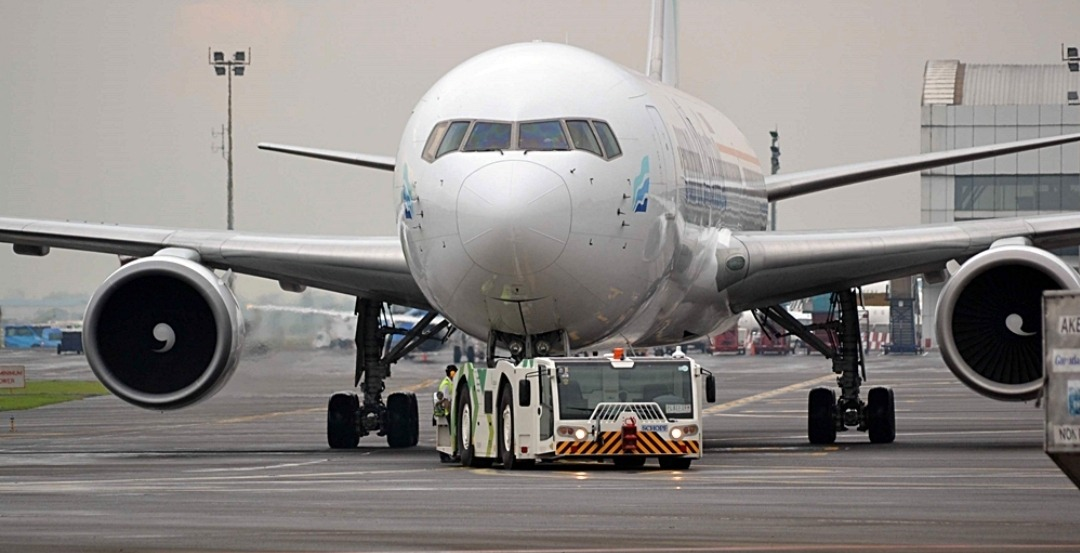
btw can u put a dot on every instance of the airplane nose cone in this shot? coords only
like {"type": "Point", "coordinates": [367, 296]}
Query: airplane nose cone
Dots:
{"type": "Point", "coordinates": [514, 217]}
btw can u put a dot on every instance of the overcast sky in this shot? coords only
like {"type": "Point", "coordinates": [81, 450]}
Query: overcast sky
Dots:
{"type": "Point", "coordinates": [108, 106]}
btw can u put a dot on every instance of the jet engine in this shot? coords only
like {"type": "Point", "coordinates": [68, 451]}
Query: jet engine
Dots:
{"type": "Point", "coordinates": [989, 319]}
{"type": "Point", "coordinates": [163, 332]}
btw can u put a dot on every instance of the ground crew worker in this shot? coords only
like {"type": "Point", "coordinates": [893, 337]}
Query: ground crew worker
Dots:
{"type": "Point", "coordinates": [442, 402]}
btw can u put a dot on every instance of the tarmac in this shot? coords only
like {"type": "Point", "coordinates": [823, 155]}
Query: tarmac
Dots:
{"type": "Point", "coordinates": [249, 470]}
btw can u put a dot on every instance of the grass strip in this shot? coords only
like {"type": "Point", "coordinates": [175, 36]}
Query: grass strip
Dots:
{"type": "Point", "coordinates": [47, 392]}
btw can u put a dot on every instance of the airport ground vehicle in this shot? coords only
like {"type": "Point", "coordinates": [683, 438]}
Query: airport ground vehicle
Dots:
{"type": "Point", "coordinates": [31, 336]}
{"type": "Point", "coordinates": [71, 341]}
{"type": "Point", "coordinates": [598, 408]}
{"type": "Point", "coordinates": [765, 344]}
{"type": "Point", "coordinates": [730, 341]}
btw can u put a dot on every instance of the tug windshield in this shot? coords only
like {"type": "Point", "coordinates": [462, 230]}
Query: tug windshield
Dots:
{"type": "Point", "coordinates": [582, 385]}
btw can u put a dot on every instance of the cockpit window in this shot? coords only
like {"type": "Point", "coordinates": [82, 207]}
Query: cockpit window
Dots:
{"type": "Point", "coordinates": [607, 138]}
{"type": "Point", "coordinates": [542, 135]}
{"type": "Point", "coordinates": [582, 135]}
{"type": "Point", "coordinates": [487, 136]}
{"type": "Point", "coordinates": [433, 140]}
{"type": "Point", "coordinates": [589, 135]}
{"type": "Point", "coordinates": [453, 137]}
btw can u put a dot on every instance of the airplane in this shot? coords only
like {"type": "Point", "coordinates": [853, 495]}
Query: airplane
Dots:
{"type": "Point", "coordinates": [550, 200]}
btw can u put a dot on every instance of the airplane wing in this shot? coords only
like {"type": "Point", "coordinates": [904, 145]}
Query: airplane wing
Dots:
{"type": "Point", "coordinates": [790, 185]}
{"type": "Point", "coordinates": [782, 266]}
{"type": "Point", "coordinates": [365, 267]}
{"type": "Point", "coordinates": [383, 163]}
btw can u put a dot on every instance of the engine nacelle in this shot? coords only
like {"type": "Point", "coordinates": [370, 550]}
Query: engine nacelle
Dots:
{"type": "Point", "coordinates": [989, 319]}
{"type": "Point", "coordinates": [163, 332]}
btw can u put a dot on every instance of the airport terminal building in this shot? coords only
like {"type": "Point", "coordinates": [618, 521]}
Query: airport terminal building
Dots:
{"type": "Point", "coordinates": [966, 105]}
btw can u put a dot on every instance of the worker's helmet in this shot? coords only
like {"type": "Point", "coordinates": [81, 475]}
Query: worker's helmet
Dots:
{"type": "Point", "coordinates": [450, 370]}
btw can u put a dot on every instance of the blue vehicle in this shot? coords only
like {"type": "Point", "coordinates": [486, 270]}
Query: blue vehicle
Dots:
{"type": "Point", "coordinates": [32, 336]}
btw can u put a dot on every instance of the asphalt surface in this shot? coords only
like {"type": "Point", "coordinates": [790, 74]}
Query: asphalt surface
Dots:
{"type": "Point", "coordinates": [249, 470]}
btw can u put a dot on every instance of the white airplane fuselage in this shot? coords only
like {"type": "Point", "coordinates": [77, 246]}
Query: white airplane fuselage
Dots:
{"type": "Point", "coordinates": [527, 241]}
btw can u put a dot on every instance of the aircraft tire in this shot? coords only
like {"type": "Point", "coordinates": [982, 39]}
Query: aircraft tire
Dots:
{"type": "Point", "coordinates": [341, 420]}
{"type": "Point", "coordinates": [414, 419]}
{"type": "Point", "coordinates": [821, 425]}
{"type": "Point", "coordinates": [398, 432]}
{"type": "Point", "coordinates": [881, 416]}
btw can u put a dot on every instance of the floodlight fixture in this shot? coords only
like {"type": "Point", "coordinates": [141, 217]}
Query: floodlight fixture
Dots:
{"type": "Point", "coordinates": [1071, 55]}
{"type": "Point", "coordinates": [238, 70]}
{"type": "Point", "coordinates": [239, 56]}
{"type": "Point", "coordinates": [219, 57]}
{"type": "Point", "coordinates": [219, 70]}
{"type": "Point", "coordinates": [1074, 97]}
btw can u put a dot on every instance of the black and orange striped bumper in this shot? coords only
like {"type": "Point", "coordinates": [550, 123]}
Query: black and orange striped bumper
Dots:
{"type": "Point", "coordinates": [611, 443]}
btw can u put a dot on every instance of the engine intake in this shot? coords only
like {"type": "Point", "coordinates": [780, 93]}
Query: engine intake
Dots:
{"type": "Point", "coordinates": [989, 319]}
{"type": "Point", "coordinates": [163, 332]}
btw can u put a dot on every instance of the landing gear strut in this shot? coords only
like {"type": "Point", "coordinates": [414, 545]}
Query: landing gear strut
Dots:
{"type": "Point", "coordinates": [828, 415]}
{"type": "Point", "coordinates": [348, 417]}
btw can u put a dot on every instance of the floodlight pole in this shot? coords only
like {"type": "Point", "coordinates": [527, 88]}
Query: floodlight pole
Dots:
{"type": "Point", "coordinates": [775, 149]}
{"type": "Point", "coordinates": [229, 161]}
{"type": "Point", "coordinates": [228, 67]}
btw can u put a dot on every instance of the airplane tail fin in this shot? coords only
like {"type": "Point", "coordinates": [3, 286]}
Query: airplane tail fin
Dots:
{"type": "Point", "coordinates": [663, 62]}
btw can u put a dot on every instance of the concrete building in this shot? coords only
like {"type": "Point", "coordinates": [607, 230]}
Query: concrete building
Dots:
{"type": "Point", "coordinates": [966, 105]}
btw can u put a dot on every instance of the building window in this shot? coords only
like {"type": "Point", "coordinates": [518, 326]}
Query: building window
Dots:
{"type": "Point", "coordinates": [1017, 193]}
{"type": "Point", "coordinates": [1070, 192]}
{"type": "Point", "coordinates": [1050, 193]}
{"type": "Point", "coordinates": [982, 192]}
{"type": "Point", "coordinates": [1005, 192]}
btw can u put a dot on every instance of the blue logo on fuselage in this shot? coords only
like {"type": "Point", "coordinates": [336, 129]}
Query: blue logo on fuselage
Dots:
{"type": "Point", "coordinates": [406, 193]}
{"type": "Point", "coordinates": [641, 187]}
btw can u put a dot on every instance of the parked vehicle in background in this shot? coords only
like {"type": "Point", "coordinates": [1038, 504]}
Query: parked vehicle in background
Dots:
{"type": "Point", "coordinates": [71, 341]}
{"type": "Point", "coordinates": [765, 344]}
{"type": "Point", "coordinates": [731, 341]}
{"type": "Point", "coordinates": [31, 336]}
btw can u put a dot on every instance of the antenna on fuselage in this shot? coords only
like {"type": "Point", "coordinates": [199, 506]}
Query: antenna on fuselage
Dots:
{"type": "Point", "coordinates": [663, 61]}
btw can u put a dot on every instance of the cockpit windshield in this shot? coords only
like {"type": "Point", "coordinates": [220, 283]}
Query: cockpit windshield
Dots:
{"type": "Point", "coordinates": [542, 135]}
{"type": "Point", "coordinates": [454, 135]}
{"type": "Point", "coordinates": [589, 135]}
{"type": "Point", "coordinates": [488, 136]}
{"type": "Point", "coordinates": [584, 138]}
{"type": "Point", "coordinates": [583, 385]}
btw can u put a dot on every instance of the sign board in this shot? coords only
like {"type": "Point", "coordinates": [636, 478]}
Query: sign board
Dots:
{"type": "Point", "coordinates": [12, 376]}
{"type": "Point", "coordinates": [1061, 383]}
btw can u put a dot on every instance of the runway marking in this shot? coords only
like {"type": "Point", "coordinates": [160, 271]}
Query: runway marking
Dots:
{"type": "Point", "coordinates": [794, 547]}
{"type": "Point", "coordinates": [265, 416]}
{"type": "Point", "coordinates": [766, 395]}
{"type": "Point", "coordinates": [263, 467]}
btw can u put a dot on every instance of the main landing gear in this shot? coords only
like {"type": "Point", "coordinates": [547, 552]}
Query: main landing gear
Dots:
{"type": "Point", "coordinates": [827, 414]}
{"type": "Point", "coordinates": [348, 417]}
